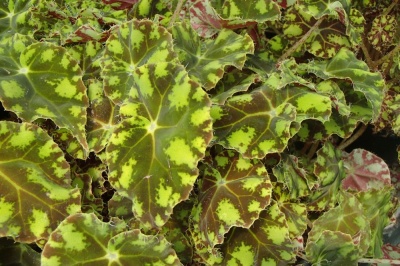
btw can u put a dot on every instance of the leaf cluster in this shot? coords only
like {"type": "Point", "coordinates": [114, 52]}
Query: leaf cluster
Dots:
{"type": "Point", "coordinates": [144, 132]}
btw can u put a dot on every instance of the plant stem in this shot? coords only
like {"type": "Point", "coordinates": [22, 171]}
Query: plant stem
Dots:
{"type": "Point", "coordinates": [176, 13]}
{"type": "Point", "coordinates": [312, 150]}
{"type": "Point", "coordinates": [387, 11]}
{"type": "Point", "coordinates": [370, 63]}
{"type": "Point", "coordinates": [386, 57]}
{"type": "Point", "coordinates": [347, 142]}
{"type": "Point", "coordinates": [301, 41]}
{"type": "Point", "coordinates": [386, 261]}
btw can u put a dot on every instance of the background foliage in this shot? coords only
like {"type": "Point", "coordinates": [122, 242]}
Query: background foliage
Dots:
{"type": "Point", "coordinates": [199, 132]}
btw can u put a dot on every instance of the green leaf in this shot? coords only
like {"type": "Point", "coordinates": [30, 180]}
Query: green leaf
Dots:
{"type": "Point", "coordinates": [383, 31]}
{"type": "Point", "coordinates": [292, 176]}
{"type": "Point", "coordinates": [102, 117]}
{"type": "Point", "coordinates": [233, 192]}
{"type": "Point", "coordinates": [15, 17]}
{"type": "Point", "coordinates": [324, 42]}
{"type": "Point", "coordinates": [376, 204]}
{"type": "Point", "coordinates": [241, 11]}
{"type": "Point", "coordinates": [332, 248]}
{"type": "Point", "coordinates": [334, 8]}
{"type": "Point", "coordinates": [345, 65]}
{"type": "Point", "coordinates": [267, 242]}
{"type": "Point", "coordinates": [85, 240]}
{"type": "Point", "coordinates": [131, 45]}
{"type": "Point", "coordinates": [205, 60]}
{"type": "Point", "coordinates": [35, 194]}
{"type": "Point", "coordinates": [329, 169]}
{"type": "Point", "coordinates": [258, 123]}
{"type": "Point", "coordinates": [153, 156]}
{"type": "Point", "coordinates": [233, 82]}
{"type": "Point", "coordinates": [14, 253]}
{"type": "Point", "coordinates": [44, 81]}
{"type": "Point", "coordinates": [348, 218]}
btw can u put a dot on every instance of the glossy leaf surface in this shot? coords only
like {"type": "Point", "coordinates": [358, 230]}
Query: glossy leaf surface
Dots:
{"type": "Point", "coordinates": [131, 45]}
{"type": "Point", "coordinates": [48, 80]}
{"type": "Point", "coordinates": [232, 193]}
{"type": "Point", "coordinates": [85, 240]}
{"type": "Point", "coordinates": [168, 134]}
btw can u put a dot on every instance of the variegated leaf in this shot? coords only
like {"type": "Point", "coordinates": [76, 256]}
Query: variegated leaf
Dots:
{"type": "Point", "coordinates": [35, 191]}
{"type": "Point", "coordinates": [153, 155]}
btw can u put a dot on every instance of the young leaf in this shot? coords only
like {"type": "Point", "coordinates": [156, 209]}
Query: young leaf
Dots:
{"type": "Point", "coordinates": [44, 81]}
{"type": "Point", "coordinates": [377, 205]}
{"type": "Point", "coordinates": [330, 171]}
{"type": "Point", "coordinates": [35, 193]}
{"type": "Point", "coordinates": [153, 156]}
{"type": "Point", "coordinates": [205, 60]}
{"type": "Point", "coordinates": [292, 176]}
{"type": "Point", "coordinates": [131, 45]}
{"type": "Point", "coordinates": [365, 171]}
{"type": "Point", "coordinates": [267, 242]}
{"type": "Point", "coordinates": [204, 19]}
{"type": "Point", "coordinates": [232, 193]}
{"type": "Point", "coordinates": [85, 240]}
{"type": "Point", "coordinates": [332, 248]}
{"type": "Point", "coordinates": [348, 218]}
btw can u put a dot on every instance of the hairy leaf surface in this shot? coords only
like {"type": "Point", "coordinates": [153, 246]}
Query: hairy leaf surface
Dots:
{"type": "Point", "coordinates": [35, 191]}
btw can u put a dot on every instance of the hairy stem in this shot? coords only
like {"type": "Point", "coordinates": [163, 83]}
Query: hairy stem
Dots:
{"type": "Point", "coordinates": [387, 11]}
{"type": "Point", "coordinates": [176, 13]}
{"type": "Point", "coordinates": [383, 261]}
{"type": "Point", "coordinates": [347, 142]}
{"type": "Point", "coordinates": [301, 41]}
{"type": "Point", "coordinates": [370, 63]}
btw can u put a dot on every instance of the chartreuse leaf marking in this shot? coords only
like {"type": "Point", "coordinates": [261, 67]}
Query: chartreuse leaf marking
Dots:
{"type": "Point", "coordinates": [102, 118]}
{"type": "Point", "coordinates": [267, 242]}
{"type": "Point", "coordinates": [330, 171]}
{"type": "Point", "coordinates": [85, 240]}
{"type": "Point", "coordinates": [15, 17]}
{"type": "Point", "coordinates": [242, 11]}
{"type": "Point", "coordinates": [35, 193]}
{"type": "Point", "coordinates": [205, 60]}
{"type": "Point", "coordinates": [332, 248]}
{"type": "Point", "coordinates": [347, 218]}
{"type": "Point", "coordinates": [345, 65]}
{"type": "Point", "coordinates": [131, 45]}
{"type": "Point", "coordinates": [232, 193]}
{"type": "Point", "coordinates": [335, 8]}
{"type": "Point", "coordinates": [376, 204]}
{"type": "Point", "coordinates": [258, 123]}
{"type": "Point", "coordinates": [47, 82]}
{"type": "Point", "coordinates": [324, 42]}
{"type": "Point", "coordinates": [153, 155]}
